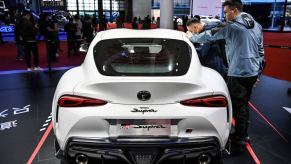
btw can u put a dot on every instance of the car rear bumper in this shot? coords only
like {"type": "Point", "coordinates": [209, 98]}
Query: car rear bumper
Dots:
{"type": "Point", "coordinates": [92, 122]}
{"type": "Point", "coordinates": [143, 150]}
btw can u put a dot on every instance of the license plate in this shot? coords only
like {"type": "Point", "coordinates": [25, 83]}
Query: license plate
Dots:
{"type": "Point", "coordinates": [160, 127]}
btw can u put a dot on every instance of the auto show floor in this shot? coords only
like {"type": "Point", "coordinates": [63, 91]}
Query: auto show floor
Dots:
{"type": "Point", "coordinates": [26, 133]}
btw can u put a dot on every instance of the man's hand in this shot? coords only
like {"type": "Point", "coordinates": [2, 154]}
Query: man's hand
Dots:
{"type": "Point", "coordinates": [257, 82]}
{"type": "Point", "coordinates": [189, 34]}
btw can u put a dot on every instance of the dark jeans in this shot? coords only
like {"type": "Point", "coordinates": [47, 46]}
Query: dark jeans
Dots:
{"type": "Point", "coordinates": [240, 89]}
{"type": "Point", "coordinates": [31, 47]}
{"type": "Point", "coordinates": [20, 50]}
{"type": "Point", "coordinates": [71, 46]}
{"type": "Point", "coordinates": [52, 47]}
{"type": "Point", "coordinates": [78, 43]}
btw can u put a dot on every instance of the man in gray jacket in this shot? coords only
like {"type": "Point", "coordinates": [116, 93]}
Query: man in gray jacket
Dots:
{"type": "Point", "coordinates": [245, 56]}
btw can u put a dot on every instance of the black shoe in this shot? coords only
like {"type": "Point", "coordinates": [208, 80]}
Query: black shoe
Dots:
{"type": "Point", "coordinates": [238, 144]}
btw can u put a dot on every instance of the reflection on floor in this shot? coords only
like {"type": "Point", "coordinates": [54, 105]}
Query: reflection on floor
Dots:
{"type": "Point", "coordinates": [26, 106]}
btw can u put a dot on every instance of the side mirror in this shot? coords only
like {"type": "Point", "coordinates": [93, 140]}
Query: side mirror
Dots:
{"type": "Point", "coordinates": [84, 48]}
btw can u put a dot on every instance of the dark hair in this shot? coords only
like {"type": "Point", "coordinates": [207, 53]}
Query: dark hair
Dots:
{"type": "Point", "coordinates": [197, 16]}
{"type": "Point", "coordinates": [234, 4]}
{"type": "Point", "coordinates": [26, 12]}
{"type": "Point", "coordinates": [192, 21]}
{"type": "Point", "coordinates": [77, 17]}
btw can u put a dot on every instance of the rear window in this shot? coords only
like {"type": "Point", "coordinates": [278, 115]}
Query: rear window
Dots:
{"type": "Point", "coordinates": [142, 57]}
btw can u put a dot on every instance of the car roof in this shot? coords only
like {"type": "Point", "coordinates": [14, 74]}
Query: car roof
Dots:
{"type": "Point", "coordinates": [206, 16]}
{"type": "Point", "coordinates": [154, 33]}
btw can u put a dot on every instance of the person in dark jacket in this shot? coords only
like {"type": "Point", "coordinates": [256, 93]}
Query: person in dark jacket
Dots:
{"type": "Point", "coordinates": [79, 25]}
{"type": "Point", "coordinates": [42, 25]}
{"type": "Point", "coordinates": [52, 40]}
{"type": "Point", "coordinates": [88, 29]}
{"type": "Point", "coordinates": [55, 21]}
{"type": "Point", "coordinates": [185, 20]}
{"type": "Point", "coordinates": [211, 54]}
{"type": "Point", "coordinates": [134, 23]}
{"type": "Point", "coordinates": [28, 32]}
{"type": "Point", "coordinates": [175, 22]}
{"type": "Point", "coordinates": [103, 24]}
{"type": "Point", "coordinates": [71, 30]}
{"type": "Point", "coordinates": [18, 40]}
{"type": "Point", "coordinates": [119, 22]}
{"type": "Point", "coordinates": [94, 22]}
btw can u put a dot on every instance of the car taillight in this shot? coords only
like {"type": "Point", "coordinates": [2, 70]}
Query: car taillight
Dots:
{"type": "Point", "coordinates": [77, 101]}
{"type": "Point", "coordinates": [213, 101]}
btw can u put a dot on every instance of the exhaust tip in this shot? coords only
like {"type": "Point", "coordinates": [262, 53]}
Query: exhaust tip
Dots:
{"type": "Point", "coordinates": [81, 159]}
{"type": "Point", "coordinates": [204, 159]}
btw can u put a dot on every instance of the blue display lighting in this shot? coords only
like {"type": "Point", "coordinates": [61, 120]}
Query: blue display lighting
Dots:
{"type": "Point", "coordinates": [7, 29]}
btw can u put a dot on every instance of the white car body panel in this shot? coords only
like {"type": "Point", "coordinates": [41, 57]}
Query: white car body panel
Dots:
{"type": "Point", "coordinates": [120, 92]}
{"type": "Point", "coordinates": [209, 20]}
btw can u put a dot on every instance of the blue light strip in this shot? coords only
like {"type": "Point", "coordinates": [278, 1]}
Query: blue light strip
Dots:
{"type": "Point", "coordinates": [25, 71]}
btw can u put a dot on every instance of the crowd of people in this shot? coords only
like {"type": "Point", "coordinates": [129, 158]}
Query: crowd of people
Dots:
{"type": "Point", "coordinates": [146, 22]}
{"type": "Point", "coordinates": [28, 32]}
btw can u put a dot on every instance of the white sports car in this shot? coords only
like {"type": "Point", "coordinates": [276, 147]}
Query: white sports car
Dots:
{"type": "Point", "coordinates": [209, 20]}
{"type": "Point", "coordinates": [141, 97]}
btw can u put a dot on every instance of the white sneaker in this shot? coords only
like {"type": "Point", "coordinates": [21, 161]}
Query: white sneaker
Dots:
{"type": "Point", "coordinates": [37, 68]}
{"type": "Point", "coordinates": [29, 69]}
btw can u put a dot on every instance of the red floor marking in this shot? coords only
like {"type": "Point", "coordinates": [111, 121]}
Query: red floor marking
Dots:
{"type": "Point", "coordinates": [233, 122]}
{"type": "Point", "coordinates": [252, 153]}
{"type": "Point", "coordinates": [39, 145]}
{"type": "Point", "coordinates": [268, 122]}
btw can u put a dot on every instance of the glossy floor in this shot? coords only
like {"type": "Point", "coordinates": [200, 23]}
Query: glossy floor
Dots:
{"type": "Point", "coordinates": [25, 108]}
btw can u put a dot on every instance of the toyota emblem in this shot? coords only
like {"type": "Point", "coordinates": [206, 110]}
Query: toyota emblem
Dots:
{"type": "Point", "coordinates": [143, 95]}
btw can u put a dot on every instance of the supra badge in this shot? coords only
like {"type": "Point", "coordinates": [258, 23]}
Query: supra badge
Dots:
{"type": "Point", "coordinates": [143, 110]}
{"type": "Point", "coordinates": [148, 127]}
